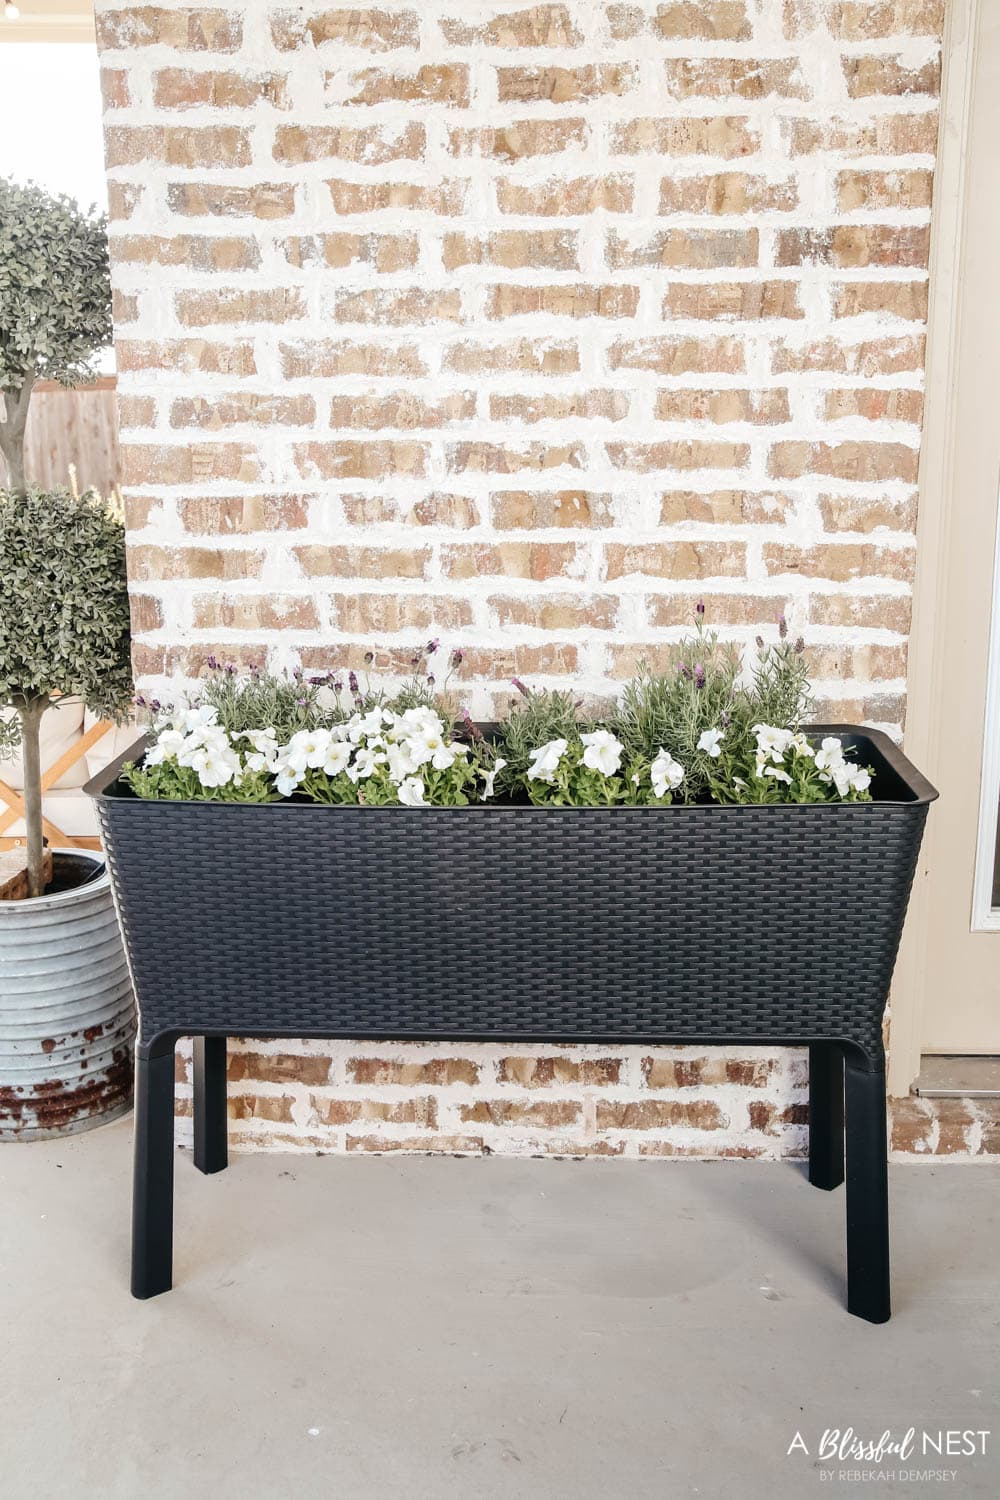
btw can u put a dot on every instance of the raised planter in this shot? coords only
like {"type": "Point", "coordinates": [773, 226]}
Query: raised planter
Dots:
{"type": "Point", "coordinates": [67, 1016]}
{"type": "Point", "coordinates": [707, 924]}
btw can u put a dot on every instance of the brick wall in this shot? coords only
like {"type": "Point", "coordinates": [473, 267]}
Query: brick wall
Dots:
{"type": "Point", "coordinates": [524, 326]}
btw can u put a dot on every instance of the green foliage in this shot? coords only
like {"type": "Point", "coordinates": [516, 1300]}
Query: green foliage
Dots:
{"type": "Point", "coordinates": [55, 287]}
{"type": "Point", "coordinates": [535, 719]}
{"type": "Point", "coordinates": [64, 624]}
{"type": "Point", "coordinates": [170, 782]}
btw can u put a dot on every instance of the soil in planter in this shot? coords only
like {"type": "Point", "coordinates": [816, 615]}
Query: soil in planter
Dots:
{"type": "Point", "coordinates": [70, 871]}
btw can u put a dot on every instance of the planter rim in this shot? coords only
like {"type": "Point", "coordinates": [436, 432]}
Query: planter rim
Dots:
{"type": "Point", "coordinates": [59, 899]}
{"type": "Point", "coordinates": [922, 791]}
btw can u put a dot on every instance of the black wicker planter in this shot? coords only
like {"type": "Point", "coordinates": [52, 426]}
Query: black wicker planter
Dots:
{"type": "Point", "coordinates": [642, 925]}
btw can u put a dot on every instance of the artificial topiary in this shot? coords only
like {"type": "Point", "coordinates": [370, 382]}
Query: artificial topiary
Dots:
{"type": "Point", "coordinates": [64, 625]}
{"type": "Point", "coordinates": [55, 302]}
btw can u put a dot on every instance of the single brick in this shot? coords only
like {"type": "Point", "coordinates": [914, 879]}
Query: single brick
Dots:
{"type": "Point", "coordinates": [398, 306]}
{"type": "Point", "coordinates": [455, 512]}
{"type": "Point", "coordinates": [883, 190]}
{"type": "Point", "coordinates": [723, 405]}
{"type": "Point", "coordinates": [536, 560]}
{"type": "Point", "coordinates": [177, 145]}
{"type": "Point", "coordinates": [871, 357]}
{"type": "Point", "coordinates": [896, 299]}
{"type": "Point", "coordinates": [725, 508]}
{"type": "Point", "coordinates": [123, 199]}
{"type": "Point", "coordinates": [565, 196]}
{"type": "Point", "coordinates": [114, 88]}
{"type": "Point", "coordinates": [217, 412]}
{"type": "Point", "coordinates": [737, 301]}
{"type": "Point", "coordinates": [374, 30]}
{"type": "Point", "coordinates": [159, 463]}
{"type": "Point", "coordinates": [534, 26]}
{"type": "Point", "coordinates": [726, 193]}
{"type": "Point", "coordinates": [734, 77]}
{"type": "Point", "coordinates": [695, 249]}
{"type": "Point", "coordinates": [539, 356]}
{"type": "Point", "coordinates": [711, 135]}
{"type": "Point", "coordinates": [676, 559]}
{"type": "Point", "coordinates": [660, 1114]}
{"type": "Point", "coordinates": [402, 409]}
{"type": "Point", "coordinates": [529, 510]}
{"type": "Point", "coordinates": [320, 358]}
{"type": "Point", "coordinates": [494, 458]}
{"type": "Point", "coordinates": [879, 611]}
{"type": "Point", "coordinates": [187, 88]}
{"type": "Point", "coordinates": [885, 135]}
{"type": "Point", "coordinates": [162, 563]}
{"type": "Point", "coordinates": [193, 355]}
{"type": "Point", "coordinates": [874, 404]}
{"type": "Point", "coordinates": [881, 73]}
{"type": "Point", "coordinates": [839, 561]}
{"type": "Point", "coordinates": [438, 1072]}
{"type": "Point", "coordinates": [258, 200]}
{"type": "Point", "coordinates": [513, 301]}
{"type": "Point", "coordinates": [146, 613]}
{"type": "Point", "coordinates": [565, 85]}
{"type": "Point", "coordinates": [198, 252]}
{"type": "Point", "coordinates": [516, 249]}
{"type": "Point", "coordinates": [379, 614]}
{"type": "Point", "coordinates": [383, 253]}
{"type": "Point", "coordinates": [556, 612]}
{"type": "Point", "coordinates": [370, 144]}
{"type": "Point", "coordinates": [519, 139]}
{"type": "Point", "coordinates": [443, 197]}
{"type": "Point", "coordinates": [602, 405]}
{"type": "Point", "coordinates": [856, 513]}
{"type": "Point", "coordinates": [255, 612]}
{"type": "Point", "coordinates": [242, 514]}
{"type": "Point", "coordinates": [549, 1114]}
{"type": "Point", "coordinates": [185, 29]}
{"type": "Point", "coordinates": [318, 561]}
{"type": "Point", "coordinates": [679, 356]}
{"type": "Point", "coordinates": [231, 305]}
{"type": "Point", "coordinates": [678, 453]}
{"type": "Point", "coordinates": [434, 83]}
{"type": "Point", "coordinates": [870, 462]}
{"type": "Point", "coordinates": [855, 245]}
{"type": "Point", "coordinates": [359, 460]}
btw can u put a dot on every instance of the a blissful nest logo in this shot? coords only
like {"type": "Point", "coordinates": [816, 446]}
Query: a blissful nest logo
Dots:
{"type": "Point", "coordinates": [918, 1456]}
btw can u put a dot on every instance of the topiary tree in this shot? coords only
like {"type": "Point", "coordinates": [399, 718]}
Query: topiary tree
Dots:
{"type": "Point", "coordinates": [64, 626]}
{"type": "Point", "coordinates": [55, 302]}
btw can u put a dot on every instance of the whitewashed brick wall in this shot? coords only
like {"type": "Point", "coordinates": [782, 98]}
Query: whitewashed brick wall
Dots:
{"type": "Point", "coordinates": [525, 327]}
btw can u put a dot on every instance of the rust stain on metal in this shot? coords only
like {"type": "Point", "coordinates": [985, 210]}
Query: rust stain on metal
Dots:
{"type": "Point", "coordinates": [49, 1044]}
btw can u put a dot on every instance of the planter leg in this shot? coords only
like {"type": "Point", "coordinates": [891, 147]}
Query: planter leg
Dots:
{"type": "Point", "coordinates": [211, 1145]}
{"type": "Point", "coordinates": [153, 1181]}
{"type": "Point", "coordinates": [867, 1195]}
{"type": "Point", "coordinates": [826, 1115]}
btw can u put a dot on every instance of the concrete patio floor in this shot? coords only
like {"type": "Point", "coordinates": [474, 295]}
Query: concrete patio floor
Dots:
{"type": "Point", "coordinates": [373, 1328]}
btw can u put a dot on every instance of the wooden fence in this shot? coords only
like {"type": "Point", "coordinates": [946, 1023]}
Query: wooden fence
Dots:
{"type": "Point", "coordinates": [78, 427]}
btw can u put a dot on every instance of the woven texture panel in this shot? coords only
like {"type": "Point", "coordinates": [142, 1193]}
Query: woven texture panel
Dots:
{"type": "Point", "coordinates": [705, 924]}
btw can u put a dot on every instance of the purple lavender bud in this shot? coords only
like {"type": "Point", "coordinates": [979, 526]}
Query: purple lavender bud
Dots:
{"type": "Point", "coordinates": [369, 656]}
{"type": "Point", "coordinates": [432, 646]}
{"type": "Point", "coordinates": [301, 702]}
{"type": "Point", "coordinates": [800, 646]}
{"type": "Point", "coordinates": [457, 658]}
{"type": "Point", "coordinates": [699, 675]}
{"type": "Point", "coordinates": [782, 626]}
{"type": "Point", "coordinates": [416, 660]}
{"type": "Point", "coordinates": [156, 705]}
{"type": "Point", "coordinates": [338, 686]}
{"type": "Point", "coordinates": [471, 726]}
{"type": "Point", "coordinates": [352, 682]}
{"type": "Point", "coordinates": [699, 608]}
{"type": "Point", "coordinates": [524, 691]}
{"type": "Point", "coordinates": [212, 663]}
{"type": "Point", "coordinates": [430, 679]}
{"type": "Point", "coordinates": [139, 701]}
{"type": "Point", "coordinates": [231, 669]}
{"type": "Point", "coordinates": [760, 641]}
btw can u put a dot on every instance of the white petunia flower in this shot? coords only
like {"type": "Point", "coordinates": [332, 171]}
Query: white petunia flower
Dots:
{"type": "Point", "coordinates": [411, 792]}
{"type": "Point", "coordinates": [490, 776]}
{"type": "Point", "coordinates": [710, 742]}
{"type": "Point", "coordinates": [192, 719]}
{"type": "Point", "coordinates": [168, 743]}
{"type": "Point", "coordinates": [666, 773]}
{"type": "Point", "coordinates": [401, 762]}
{"type": "Point", "coordinates": [308, 748]}
{"type": "Point", "coordinates": [338, 757]}
{"type": "Point", "coordinates": [801, 746]}
{"type": "Point", "coordinates": [772, 742]}
{"type": "Point", "coordinates": [830, 755]}
{"type": "Point", "coordinates": [365, 764]}
{"type": "Point", "coordinates": [778, 774]}
{"type": "Point", "coordinates": [545, 760]}
{"type": "Point", "coordinates": [286, 781]}
{"type": "Point", "coordinates": [215, 769]}
{"type": "Point", "coordinates": [603, 752]}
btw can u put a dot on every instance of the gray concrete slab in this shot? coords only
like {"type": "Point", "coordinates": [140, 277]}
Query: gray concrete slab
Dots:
{"type": "Point", "coordinates": [363, 1329]}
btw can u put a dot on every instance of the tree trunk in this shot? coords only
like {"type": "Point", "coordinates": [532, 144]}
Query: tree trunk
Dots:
{"type": "Point", "coordinates": [31, 760]}
{"type": "Point", "coordinates": [12, 431]}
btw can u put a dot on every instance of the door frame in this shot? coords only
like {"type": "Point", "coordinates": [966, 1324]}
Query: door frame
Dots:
{"type": "Point", "coordinates": [945, 468]}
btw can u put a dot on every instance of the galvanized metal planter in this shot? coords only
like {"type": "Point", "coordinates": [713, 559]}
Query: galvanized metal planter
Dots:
{"type": "Point", "coordinates": [67, 1012]}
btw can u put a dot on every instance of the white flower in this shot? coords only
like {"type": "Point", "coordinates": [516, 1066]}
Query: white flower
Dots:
{"type": "Point", "coordinates": [365, 763]}
{"type": "Point", "coordinates": [265, 749]}
{"type": "Point", "coordinates": [308, 748]}
{"type": "Point", "coordinates": [215, 769]}
{"type": "Point", "coordinates": [371, 722]}
{"type": "Point", "coordinates": [193, 719]}
{"type": "Point", "coordinates": [286, 781]}
{"type": "Point", "coordinates": [773, 742]}
{"type": "Point", "coordinates": [830, 755]}
{"type": "Point", "coordinates": [603, 752]}
{"type": "Point", "coordinates": [545, 760]}
{"type": "Point", "coordinates": [860, 780]}
{"type": "Point", "coordinates": [711, 740]}
{"type": "Point", "coordinates": [490, 776]}
{"type": "Point", "coordinates": [168, 743]}
{"type": "Point", "coordinates": [428, 744]}
{"type": "Point", "coordinates": [411, 792]}
{"type": "Point", "coordinates": [338, 757]}
{"type": "Point", "coordinates": [401, 762]}
{"type": "Point", "coordinates": [801, 746]}
{"type": "Point", "coordinates": [416, 721]}
{"type": "Point", "coordinates": [778, 774]}
{"type": "Point", "coordinates": [666, 773]}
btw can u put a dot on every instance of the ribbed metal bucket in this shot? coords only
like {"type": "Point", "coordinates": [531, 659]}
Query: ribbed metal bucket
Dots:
{"type": "Point", "coordinates": [67, 1014]}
